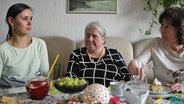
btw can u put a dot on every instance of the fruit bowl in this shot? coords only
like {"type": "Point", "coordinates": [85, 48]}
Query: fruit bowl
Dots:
{"type": "Point", "coordinates": [70, 85]}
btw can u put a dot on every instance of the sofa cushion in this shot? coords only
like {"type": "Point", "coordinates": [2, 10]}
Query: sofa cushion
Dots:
{"type": "Point", "coordinates": [62, 46]}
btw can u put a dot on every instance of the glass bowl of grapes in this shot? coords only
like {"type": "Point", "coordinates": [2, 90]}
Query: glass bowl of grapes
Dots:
{"type": "Point", "coordinates": [70, 84]}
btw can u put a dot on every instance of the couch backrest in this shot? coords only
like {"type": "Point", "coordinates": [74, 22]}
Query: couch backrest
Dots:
{"type": "Point", "coordinates": [139, 46]}
{"type": "Point", "coordinates": [122, 45]}
{"type": "Point", "coordinates": [62, 46]}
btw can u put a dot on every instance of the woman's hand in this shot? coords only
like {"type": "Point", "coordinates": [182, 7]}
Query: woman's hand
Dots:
{"type": "Point", "coordinates": [175, 87]}
{"type": "Point", "coordinates": [135, 70]}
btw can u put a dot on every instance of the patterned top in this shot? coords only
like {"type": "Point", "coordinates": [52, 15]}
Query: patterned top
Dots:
{"type": "Point", "coordinates": [111, 67]}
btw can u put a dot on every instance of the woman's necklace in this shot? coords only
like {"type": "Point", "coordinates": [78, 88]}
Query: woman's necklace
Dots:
{"type": "Point", "coordinates": [181, 50]}
{"type": "Point", "coordinates": [98, 58]}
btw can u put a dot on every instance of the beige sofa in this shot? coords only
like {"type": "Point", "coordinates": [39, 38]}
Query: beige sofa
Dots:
{"type": "Point", "coordinates": [64, 46]}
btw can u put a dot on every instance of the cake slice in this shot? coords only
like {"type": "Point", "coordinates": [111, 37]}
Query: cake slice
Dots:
{"type": "Point", "coordinates": [156, 86]}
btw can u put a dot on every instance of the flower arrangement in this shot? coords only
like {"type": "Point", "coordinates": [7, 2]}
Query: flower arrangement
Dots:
{"type": "Point", "coordinates": [114, 100]}
{"type": "Point", "coordinates": [78, 100]}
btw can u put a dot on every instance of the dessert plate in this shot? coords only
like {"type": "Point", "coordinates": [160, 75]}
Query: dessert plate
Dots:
{"type": "Point", "coordinates": [165, 90]}
{"type": "Point", "coordinates": [154, 96]}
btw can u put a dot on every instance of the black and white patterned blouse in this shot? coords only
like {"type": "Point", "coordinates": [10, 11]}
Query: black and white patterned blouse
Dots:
{"type": "Point", "coordinates": [110, 67]}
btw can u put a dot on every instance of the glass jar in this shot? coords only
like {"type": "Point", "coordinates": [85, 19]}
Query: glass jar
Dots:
{"type": "Point", "coordinates": [37, 87]}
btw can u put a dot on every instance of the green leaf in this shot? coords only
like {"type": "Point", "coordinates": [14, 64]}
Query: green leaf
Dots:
{"type": "Point", "coordinates": [155, 22]}
{"type": "Point", "coordinates": [148, 8]}
{"type": "Point", "coordinates": [160, 1]}
{"type": "Point", "coordinates": [155, 13]}
{"type": "Point", "coordinates": [148, 32]}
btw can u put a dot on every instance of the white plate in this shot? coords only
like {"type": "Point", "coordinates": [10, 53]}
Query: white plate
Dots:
{"type": "Point", "coordinates": [161, 95]}
{"type": "Point", "coordinates": [165, 90]}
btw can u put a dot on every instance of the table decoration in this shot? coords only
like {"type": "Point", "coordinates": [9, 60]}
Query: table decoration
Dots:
{"type": "Point", "coordinates": [77, 99]}
{"type": "Point", "coordinates": [114, 100]}
{"type": "Point", "coordinates": [177, 99]}
{"type": "Point", "coordinates": [96, 93]}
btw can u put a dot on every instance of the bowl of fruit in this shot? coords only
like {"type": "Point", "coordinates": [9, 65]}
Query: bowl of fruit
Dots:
{"type": "Point", "coordinates": [70, 85]}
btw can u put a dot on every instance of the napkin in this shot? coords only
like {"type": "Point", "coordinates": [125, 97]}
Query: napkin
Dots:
{"type": "Point", "coordinates": [11, 100]}
{"type": "Point", "coordinates": [54, 91]}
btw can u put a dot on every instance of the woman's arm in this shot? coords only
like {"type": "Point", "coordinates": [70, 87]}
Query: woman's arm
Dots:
{"type": "Point", "coordinates": [44, 64]}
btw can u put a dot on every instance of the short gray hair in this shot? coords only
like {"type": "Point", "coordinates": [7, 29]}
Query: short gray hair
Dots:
{"type": "Point", "coordinates": [97, 26]}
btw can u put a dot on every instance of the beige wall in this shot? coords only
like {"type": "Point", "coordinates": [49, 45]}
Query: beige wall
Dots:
{"type": "Point", "coordinates": [50, 18]}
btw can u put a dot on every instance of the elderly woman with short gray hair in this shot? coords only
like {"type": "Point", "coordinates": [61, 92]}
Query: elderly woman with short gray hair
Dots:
{"type": "Point", "coordinates": [95, 62]}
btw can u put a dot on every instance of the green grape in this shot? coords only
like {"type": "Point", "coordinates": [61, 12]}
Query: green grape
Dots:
{"type": "Point", "coordinates": [60, 83]}
{"type": "Point", "coordinates": [82, 81]}
{"type": "Point", "coordinates": [67, 79]}
{"type": "Point", "coordinates": [68, 84]}
{"type": "Point", "coordinates": [71, 80]}
{"type": "Point", "coordinates": [75, 82]}
{"type": "Point", "coordinates": [64, 82]}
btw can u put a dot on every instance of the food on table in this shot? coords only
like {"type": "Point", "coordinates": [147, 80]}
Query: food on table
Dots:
{"type": "Point", "coordinates": [11, 100]}
{"type": "Point", "coordinates": [69, 82]}
{"type": "Point", "coordinates": [70, 85]}
{"type": "Point", "coordinates": [156, 86]}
